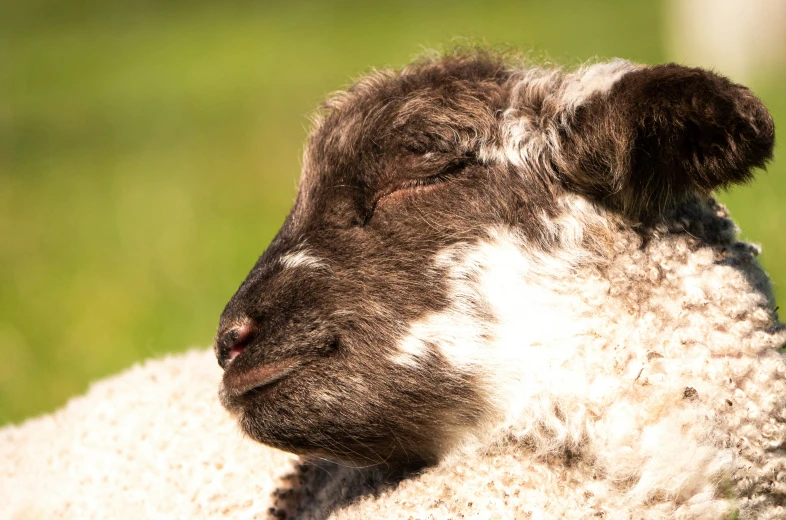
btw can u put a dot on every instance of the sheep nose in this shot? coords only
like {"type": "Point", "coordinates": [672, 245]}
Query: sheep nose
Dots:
{"type": "Point", "coordinates": [233, 342]}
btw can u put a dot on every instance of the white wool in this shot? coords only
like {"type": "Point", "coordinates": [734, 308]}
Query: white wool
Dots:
{"type": "Point", "coordinates": [152, 442]}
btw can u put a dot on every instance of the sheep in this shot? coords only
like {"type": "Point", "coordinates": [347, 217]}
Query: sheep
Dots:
{"type": "Point", "coordinates": [502, 292]}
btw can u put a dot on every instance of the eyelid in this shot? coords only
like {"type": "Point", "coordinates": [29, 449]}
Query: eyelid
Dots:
{"type": "Point", "coordinates": [414, 185]}
{"type": "Point", "coordinates": [448, 173]}
{"type": "Point", "coordinates": [425, 181]}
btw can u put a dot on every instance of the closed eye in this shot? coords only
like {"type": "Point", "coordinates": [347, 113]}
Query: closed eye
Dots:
{"type": "Point", "coordinates": [423, 184]}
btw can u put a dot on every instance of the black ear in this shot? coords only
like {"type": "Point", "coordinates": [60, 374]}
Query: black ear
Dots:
{"type": "Point", "coordinates": [660, 134]}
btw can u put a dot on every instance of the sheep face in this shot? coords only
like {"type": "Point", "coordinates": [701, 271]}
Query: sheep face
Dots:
{"type": "Point", "coordinates": [404, 174]}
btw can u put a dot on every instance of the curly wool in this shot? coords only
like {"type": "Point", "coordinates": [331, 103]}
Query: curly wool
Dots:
{"type": "Point", "coordinates": [667, 399]}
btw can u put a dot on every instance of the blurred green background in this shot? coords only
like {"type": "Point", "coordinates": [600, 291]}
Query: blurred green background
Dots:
{"type": "Point", "coordinates": [150, 150]}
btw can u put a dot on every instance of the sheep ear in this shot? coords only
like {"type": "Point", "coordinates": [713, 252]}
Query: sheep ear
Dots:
{"type": "Point", "coordinates": [659, 134]}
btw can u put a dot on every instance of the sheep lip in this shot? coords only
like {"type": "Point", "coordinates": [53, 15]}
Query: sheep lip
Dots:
{"type": "Point", "coordinates": [238, 383]}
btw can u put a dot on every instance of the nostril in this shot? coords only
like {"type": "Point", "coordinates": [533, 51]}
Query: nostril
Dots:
{"type": "Point", "coordinates": [236, 349]}
{"type": "Point", "coordinates": [234, 342]}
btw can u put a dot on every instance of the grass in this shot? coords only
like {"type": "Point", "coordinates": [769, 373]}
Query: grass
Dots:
{"type": "Point", "coordinates": [148, 154]}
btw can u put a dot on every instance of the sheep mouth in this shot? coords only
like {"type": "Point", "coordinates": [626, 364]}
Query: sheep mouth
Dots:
{"type": "Point", "coordinates": [236, 383]}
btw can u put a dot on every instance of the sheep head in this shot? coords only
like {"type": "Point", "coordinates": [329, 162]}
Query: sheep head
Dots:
{"type": "Point", "coordinates": [403, 172]}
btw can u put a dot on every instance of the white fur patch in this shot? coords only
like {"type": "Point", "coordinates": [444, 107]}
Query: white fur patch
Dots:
{"type": "Point", "coordinates": [302, 258]}
{"type": "Point", "coordinates": [410, 349]}
{"type": "Point", "coordinates": [497, 282]}
{"type": "Point", "coordinates": [513, 318]}
{"type": "Point", "coordinates": [595, 79]}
